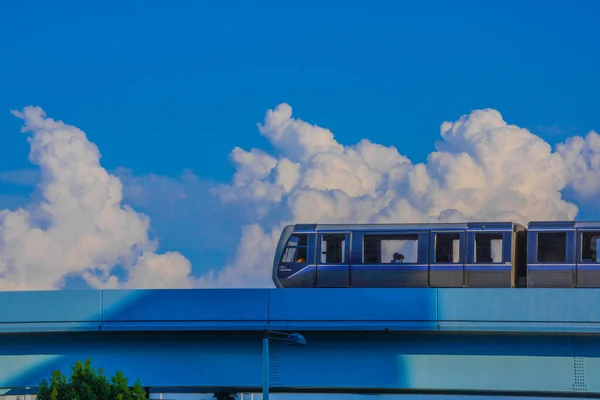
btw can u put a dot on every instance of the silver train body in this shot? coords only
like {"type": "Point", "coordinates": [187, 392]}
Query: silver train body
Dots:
{"type": "Point", "coordinates": [545, 254]}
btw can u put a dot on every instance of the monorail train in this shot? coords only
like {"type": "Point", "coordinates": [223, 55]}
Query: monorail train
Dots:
{"type": "Point", "coordinates": [477, 255]}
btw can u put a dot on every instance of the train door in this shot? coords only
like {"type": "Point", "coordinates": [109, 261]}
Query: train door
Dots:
{"type": "Point", "coordinates": [446, 259]}
{"type": "Point", "coordinates": [551, 258]}
{"type": "Point", "coordinates": [490, 259]}
{"type": "Point", "coordinates": [333, 259]}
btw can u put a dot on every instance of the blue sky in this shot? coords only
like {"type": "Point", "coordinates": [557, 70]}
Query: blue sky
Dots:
{"type": "Point", "coordinates": [164, 89]}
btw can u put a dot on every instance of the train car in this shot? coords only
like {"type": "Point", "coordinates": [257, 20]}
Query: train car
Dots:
{"type": "Point", "coordinates": [563, 254]}
{"type": "Point", "coordinates": [475, 254]}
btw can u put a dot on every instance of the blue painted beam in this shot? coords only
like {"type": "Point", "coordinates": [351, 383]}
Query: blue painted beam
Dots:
{"type": "Point", "coordinates": [519, 310]}
{"type": "Point", "coordinates": [353, 309]}
{"type": "Point", "coordinates": [443, 363]}
{"type": "Point", "coordinates": [459, 310]}
{"type": "Point", "coordinates": [205, 309]}
{"type": "Point", "coordinates": [210, 339]}
{"type": "Point", "coordinates": [48, 311]}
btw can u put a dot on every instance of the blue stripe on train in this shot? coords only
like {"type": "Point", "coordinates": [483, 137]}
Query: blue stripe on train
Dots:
{"type": "Point", "coordinates": [589, 267]}
{"type": "Point", "coordinates": [570, 267]}
{"type": "Point", "coordinates": [405, 267]}
{"type": "Point", "coordinates": [551, 267]}
{"type": "Point", "coordinates": [387, 267]}
{"type": "Point", "coordinates": [489, 268]}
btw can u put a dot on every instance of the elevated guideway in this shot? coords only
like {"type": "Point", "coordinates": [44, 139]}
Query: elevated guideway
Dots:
{"type": "Point", "coordinates": [487, 341]}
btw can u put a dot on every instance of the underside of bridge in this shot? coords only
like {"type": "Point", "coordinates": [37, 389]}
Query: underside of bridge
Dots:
{"type": "Point", "coordinates": [348, 362]}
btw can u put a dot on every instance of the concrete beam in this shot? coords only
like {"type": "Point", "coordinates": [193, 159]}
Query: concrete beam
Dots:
{"type": "Point", "coordinates": [443, 363]}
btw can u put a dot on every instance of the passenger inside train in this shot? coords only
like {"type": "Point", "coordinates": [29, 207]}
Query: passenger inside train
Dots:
{"type": "Point", "coordinates": [398, 258]}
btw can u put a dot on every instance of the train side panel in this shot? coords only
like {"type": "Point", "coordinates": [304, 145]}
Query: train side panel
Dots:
{"type": "Point", "coordinates": [546, 254]}
{"type": "Point", "coordinates": [490, 258]}
{"type": "Point", "coordinates": [402, 255]}
{"type": "Point", "coordinates": [373, 263]}
{"type": "Point", "coordinates": [551, 254]}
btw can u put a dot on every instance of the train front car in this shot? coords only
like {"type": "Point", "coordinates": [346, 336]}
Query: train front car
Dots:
{"type": "Point", "coordinates": [484, 255]}
{"type": "Point", "coordinates": [294, 260]}
{"type": "Point", "coordinates": [563, 254]}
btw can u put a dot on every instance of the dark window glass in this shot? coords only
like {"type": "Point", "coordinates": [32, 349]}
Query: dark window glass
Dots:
{"type": "Point", "coordinates": [386, 249]}
{"type": "Point", "coordinates": [589, 246]}
{"type": "Point", "coordinates": [488, 248]}
{"type": "Point", "coordinates": [333, 248]}
{"type": "Point", "coordinates": [552, 247]}
{"type": "Point", "coordinates": [447, 247]}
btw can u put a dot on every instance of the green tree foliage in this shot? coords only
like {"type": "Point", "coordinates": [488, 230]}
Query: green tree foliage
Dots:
{"type": "Point", "coordinates": [87, 383]}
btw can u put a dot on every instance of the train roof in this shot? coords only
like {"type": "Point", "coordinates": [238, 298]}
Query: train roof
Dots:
{"type": "Point", "coordinates": [544, 225]}
{"type": "Point", "coordinates": [409, 226]}
{"type": "Point", "coordinates": [481, 225]}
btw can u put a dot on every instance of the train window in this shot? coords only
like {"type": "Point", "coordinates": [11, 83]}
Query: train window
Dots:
{"type": "Point", "coordinates": [333, 248]}
{"type": "Point", "coordinates": [295, 251]}
{"type": "Point", "coordinates": [380, 249]}
{"type": "Point", "coordinates": [589, 246]}
{"type": "Point", "coordinates": [552, 247]}
{"type": "Point", "coordinates": [447, 247]}
{"type": "Point", "coordinates": [488, 248]}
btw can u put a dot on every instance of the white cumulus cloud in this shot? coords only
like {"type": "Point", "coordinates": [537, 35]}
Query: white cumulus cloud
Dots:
{"type": "Point", "coordinates": [80, 227]}
{"type": "Point", "coordinates": [482, 169]}
{"type": "Point", "coordinates": [582, 156]}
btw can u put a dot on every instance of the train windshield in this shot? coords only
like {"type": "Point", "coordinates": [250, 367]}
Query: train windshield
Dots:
{"type": "Point", "coordinates": [292, 248]}
{"type": "Point", "coordinates": [295, 251]}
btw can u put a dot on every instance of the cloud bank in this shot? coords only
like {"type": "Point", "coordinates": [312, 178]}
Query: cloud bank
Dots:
{"type": "Point", "coordinates": [80, 226]}
{"type": "Point", "coordinates": [482, 169]}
